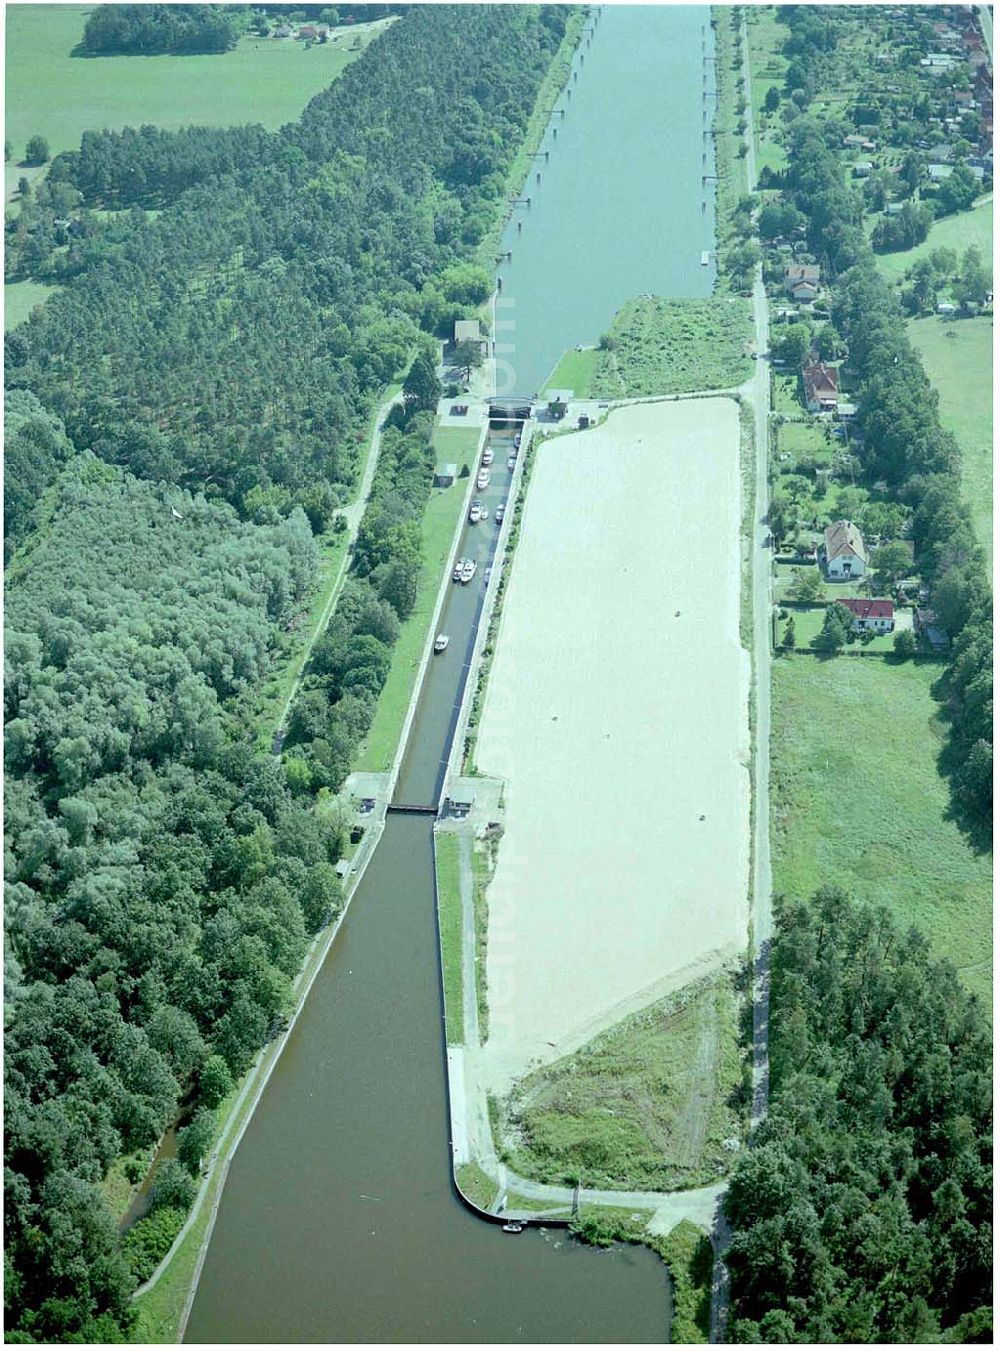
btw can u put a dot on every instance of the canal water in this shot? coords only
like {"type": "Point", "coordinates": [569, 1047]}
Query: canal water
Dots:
{"type": "Point", "coordinates": [618, 211]}
{"type": "Point", "coordinates": [339, 1222]}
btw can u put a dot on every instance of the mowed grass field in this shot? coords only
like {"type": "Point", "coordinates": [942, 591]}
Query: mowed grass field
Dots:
{"type": "Point", "coordinates": [575, 370]}
{"type": "Point", "coordinates": [958, 358]}
{"type": "Point", "coordinates": [856, 799]}
{"type": "Point", "coordinates": [958, 232]}
{"type": "Point", "coordinates": [20, 298]}
{"type": "Point", "coordinates": [53, 93]}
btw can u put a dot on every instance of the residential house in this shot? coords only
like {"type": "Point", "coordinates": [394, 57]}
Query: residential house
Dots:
{"type": "Point", "coordinates": [844, 550]}
{"type": "Point", "coordinates": [937, 173]}
{"type": "Point", "coordinates": [863, 168]}
{"type": "Point", "coordinates": [876, 615]}
{"type": "Point", "coordinates": [802, 281]}
{"type": "Point", "coordinates": [283, 31]}
{"type": "Point", "coordinates": [821, 385]}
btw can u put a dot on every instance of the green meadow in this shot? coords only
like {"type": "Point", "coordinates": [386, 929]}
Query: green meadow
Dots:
{"type": "Point", "coordinates": [958, 358]}
{"type": "Point", "coordinates": [856, 799]}
{"type": "Point", "coordinates": [57, 95]}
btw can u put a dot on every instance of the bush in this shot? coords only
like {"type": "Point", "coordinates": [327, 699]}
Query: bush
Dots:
{"type": "Point", "coordinates": [194, 1141]}
{"type": "Point", "coordinates": [904, 644]}
{"type": "Point", "coordinates": [37, 151]}
{"type": "Point", "coordinates": [172, 1187]}
{"type": "Point", "coordinates": [215, 1081]}
{"type": "Point", "coordinates": [148, 1241]}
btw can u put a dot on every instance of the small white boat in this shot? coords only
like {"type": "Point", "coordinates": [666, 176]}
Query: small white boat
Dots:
{"type": "Point", "coordinates": [500, 511]}
{"type": "Point", "coordinates": [468, 571]}
{"type": "Point", "coordinates": [487, 456]}
{"type": "Point", "coordinates": [475, 512]}
{"type": "Point", "coordinates": [483, 479]}
{"type": "Point", "coordinates": [512, 1228]}
{"type": "Point", "coordinates": [456, 576]}
{"type": "Point", "coordinates": [440, 642]}
{"type": "Point", "coordinates": [512, 462]}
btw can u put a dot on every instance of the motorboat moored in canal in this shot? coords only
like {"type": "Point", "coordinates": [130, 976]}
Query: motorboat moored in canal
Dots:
{"type": "Point", "coordinates": [468, 570]}
{"type": "Point", "coordinates": [511, 1227]}
{"type": "Point", "coordinates": [499, 512]}
{"type": "Point", "coordinates": [488, 456]}
{"type": "Point", "coordinates": [441, 642]}
{"type": "Point", "coordinates": [475, 512]}
{"type": "Point", "coordinates": [456, 576]}
{"type": "Point", "coordinates": [511, 463]}
{"type": "Point", "coordinates": [483, 479]}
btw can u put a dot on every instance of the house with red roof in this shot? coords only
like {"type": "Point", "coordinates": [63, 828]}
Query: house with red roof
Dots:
{"type": "Point", "coordinates": [821, 385]}
{"type": "Point", "coordinates": [876, 615]}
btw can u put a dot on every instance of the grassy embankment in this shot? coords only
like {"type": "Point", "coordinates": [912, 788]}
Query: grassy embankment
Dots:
{"type": "Point", "coordinates": [50, 92]}
{"type": "Point", "coordinates": [437, 532]}
{"type": "Point", "coordinates": [676, 346]}
{"type": "Point", "coordinates": [575, 370]}
{"type": "Point", "coordinates": [646, 1105]}
{"type": "Point", "coordinates": [478, 1186]}
{"type": "Point", "coordinates": [687, 1251]}
{"type": "Point", "coordinates": [449, 898]}
{"type": "Point", "coordinates": [857, 799]}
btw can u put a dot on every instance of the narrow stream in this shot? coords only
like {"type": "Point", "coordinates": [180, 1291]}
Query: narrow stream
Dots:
{"type": "Point", "coordinates": [339, 1222]}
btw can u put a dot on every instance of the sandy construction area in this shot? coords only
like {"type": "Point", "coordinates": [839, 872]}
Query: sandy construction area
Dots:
{"type": "Point", "coordinates": [617, 725]}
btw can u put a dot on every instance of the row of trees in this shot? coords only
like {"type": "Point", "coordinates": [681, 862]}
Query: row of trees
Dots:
{"type": "Point", "coordinates": [151, 30]}
{"type": "Point", "coordinates": [862, 1212]}
{"type": "Point", "coordinates": [906, 447]}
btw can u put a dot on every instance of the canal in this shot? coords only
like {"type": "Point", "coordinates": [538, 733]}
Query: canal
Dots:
{"type": "Point", "coordinates": [620, 209]}
{"type": "Point", "coordinates": [339, 1222]}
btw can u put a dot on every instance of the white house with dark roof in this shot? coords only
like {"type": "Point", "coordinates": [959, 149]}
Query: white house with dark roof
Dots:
{"type": "Point", "coordinates": [844, 551]}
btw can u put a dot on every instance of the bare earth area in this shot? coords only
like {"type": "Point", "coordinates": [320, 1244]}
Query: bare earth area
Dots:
{"type": "Point", "coordinates": [620, 729]}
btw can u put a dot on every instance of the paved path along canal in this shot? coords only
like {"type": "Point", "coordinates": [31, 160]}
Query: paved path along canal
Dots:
{"type": "Point", "coordinates": [338, 1221]}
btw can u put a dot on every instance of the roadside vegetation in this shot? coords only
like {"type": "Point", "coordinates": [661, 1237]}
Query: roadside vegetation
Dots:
{"type": "Point", "coordinates": [656, 1103]}
{"type": "Point", "coordinates": [214, 352]}
{"type": "Point", "coordinates": [657, 346]}
{"type": "Point", "coordinates": [862, 1212]}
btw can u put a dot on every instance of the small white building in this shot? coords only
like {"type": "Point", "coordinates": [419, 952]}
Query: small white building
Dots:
{"type": "Point", "coordinates": [844, 550]}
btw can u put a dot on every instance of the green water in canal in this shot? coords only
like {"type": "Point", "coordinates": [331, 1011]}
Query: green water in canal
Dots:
{"type": "Point", "coordinates": [618, 211]}
{"type": "Point", "coordinates": [338, 1221]}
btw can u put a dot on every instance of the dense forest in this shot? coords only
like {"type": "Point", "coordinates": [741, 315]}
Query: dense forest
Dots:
{"type": "Point", "coordinates": [238, 341]}
{"type": "Point", "coordinates": [153, 30]}
{"type": "Point", "coordinates": [904, 445]}
{"type": "Point", "coordinates": [863, 1211]}
{"type": "Point", "coordinates": [183, 417]}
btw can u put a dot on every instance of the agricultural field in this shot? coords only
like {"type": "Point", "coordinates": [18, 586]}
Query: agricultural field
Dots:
{"type": "Point", "coordinates": [676, 346]}
{"type": "Point", "coordinates": [646, 1105]}
{"type": "Point", "coordinates": [57, 95]}
{"type": "Point", "coordinates": [958, 358]}
{"type": "Point", "coordinates": [856, 798]}
{"type": "Point", "coordinates": [959, 232]}
{"type": "Point", "coordinates": [582, 949]}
